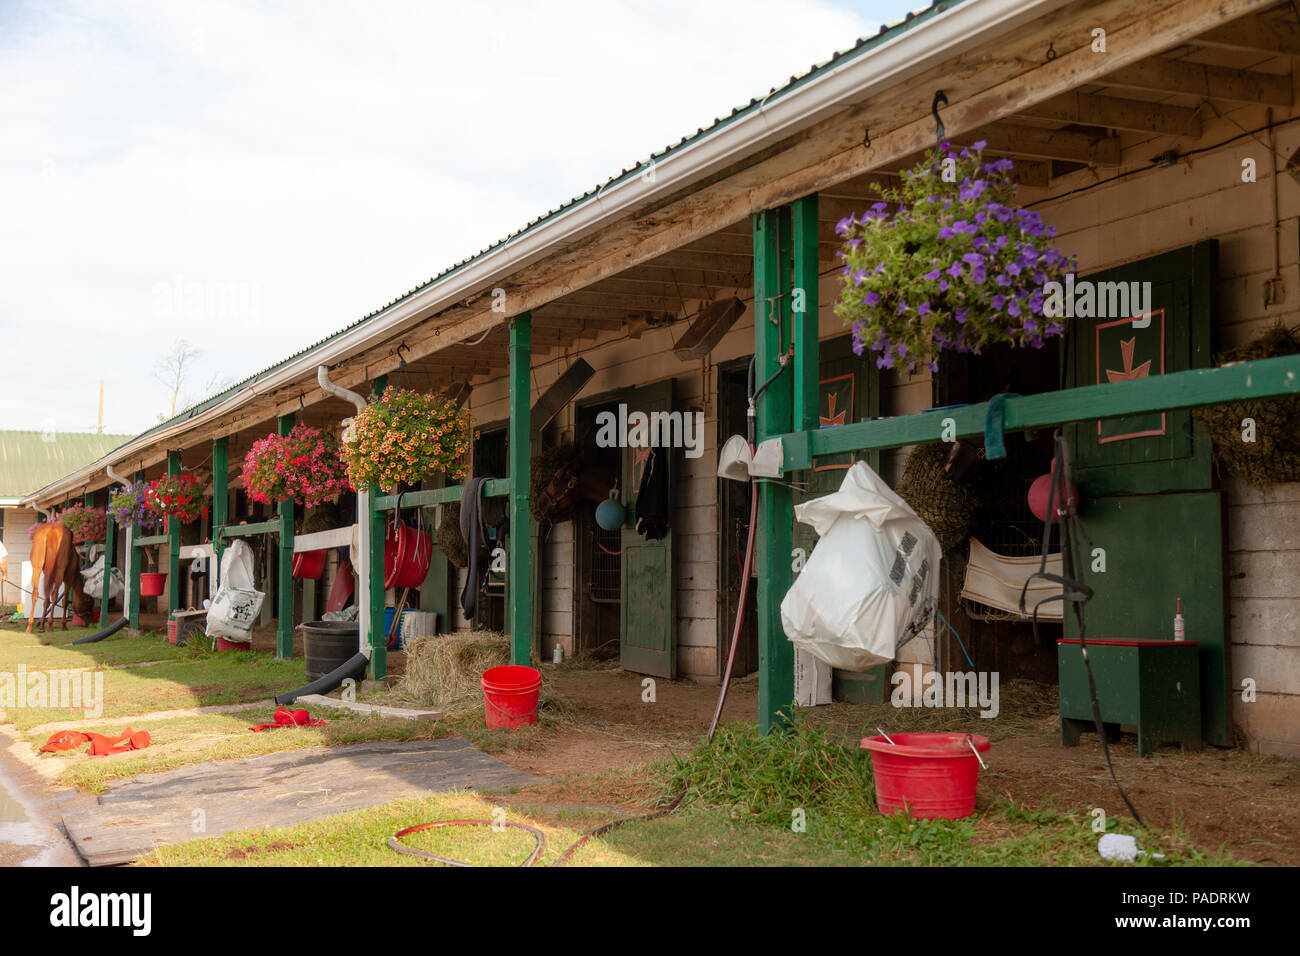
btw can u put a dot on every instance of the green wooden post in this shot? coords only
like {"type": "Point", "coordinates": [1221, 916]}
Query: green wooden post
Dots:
{"type": "Point", "coordinates": [135, 559]}
{"type": "Point", "coordinates": [110, 553]}
{"type": "Point", "coordinates": [805, 309]}
{"type": "Point", "coordinates": [772, 329]}
{"type": "Point", "coordinates": [220, 498]}
{"type": "Point", "coordinates": [378, 652]}
{"type": "Point", "coordinates": [519, 615]}
{"type": "Point", "coordinates": [284, 580]}
{"type": "Point", "coordinates": [173, 544]}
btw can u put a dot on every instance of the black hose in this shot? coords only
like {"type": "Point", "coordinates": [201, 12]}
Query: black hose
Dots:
{"type": "Point", "coordinates": [354, 667]}
{"type": "Point", "coordinates": [109, 631]}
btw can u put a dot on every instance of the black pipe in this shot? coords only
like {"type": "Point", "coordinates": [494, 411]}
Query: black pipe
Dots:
{"type": "Point", "coordinates": [109, 631]}
{"type": "Point", "coordinates": [354, 667]}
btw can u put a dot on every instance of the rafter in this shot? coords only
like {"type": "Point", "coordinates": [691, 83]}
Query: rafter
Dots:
{"type": "Point", "coordinates": [1161, 75]}
{"type": "Point", "coordinates": [1113, 112]}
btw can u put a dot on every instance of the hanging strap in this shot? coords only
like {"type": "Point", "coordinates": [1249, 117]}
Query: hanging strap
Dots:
{"type": "Point", "coordinates": [1073, 590]}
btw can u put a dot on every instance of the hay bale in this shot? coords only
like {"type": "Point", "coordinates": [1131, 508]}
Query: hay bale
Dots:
{"type": "Point", "coordinates": [1274, 456]}
{"type": "Point", "coordinates": [946, 506]}
{"type": "Point", "coordinates": [443, 671]}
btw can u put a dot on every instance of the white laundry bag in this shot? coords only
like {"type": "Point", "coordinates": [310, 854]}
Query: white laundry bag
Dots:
{"type": "Point", "coordinates": [872, 581]}
{"type": "Point", "coordinates": [233, 611]}
{"type": "Point", "coordinates": [94, 580]}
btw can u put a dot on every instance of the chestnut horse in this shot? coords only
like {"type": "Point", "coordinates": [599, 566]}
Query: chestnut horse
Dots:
{"type": "Point", "coordinates": [54, 556]}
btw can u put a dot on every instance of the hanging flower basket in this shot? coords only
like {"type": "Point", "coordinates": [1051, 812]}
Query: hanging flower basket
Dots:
{"type": "Point", "coordinates": [405, 437]}
{"type": "Point", "coordinates": [85, 524]}
{"type": "Point", "coordinates": [947, 261]}
{"type": "Point", "coordinates": [130, 506]}
{"type": "Point", "coordinates": [179, 497]}
{"type": "Point", "coordinates": [304, 465]}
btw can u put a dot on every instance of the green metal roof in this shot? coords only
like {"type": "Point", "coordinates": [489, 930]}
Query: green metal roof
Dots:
{"type": "Point", "coordinates": [887, 32]}
{"type": "Point", "coordinates": [31, 460]}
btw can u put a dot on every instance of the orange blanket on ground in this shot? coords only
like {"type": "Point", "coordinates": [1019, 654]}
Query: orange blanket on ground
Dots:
{"type": "Point", "coordinates": [100, 746]}
{"type": "Point", "coordinates": [284, 717]}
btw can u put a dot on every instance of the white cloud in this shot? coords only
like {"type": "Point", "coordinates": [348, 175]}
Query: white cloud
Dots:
{"type": "Point", "coordinates": [254, 178]}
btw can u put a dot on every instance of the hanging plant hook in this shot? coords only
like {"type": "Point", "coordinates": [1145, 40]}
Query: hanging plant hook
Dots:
{"type": "Point", "coordinates": [939, 132]}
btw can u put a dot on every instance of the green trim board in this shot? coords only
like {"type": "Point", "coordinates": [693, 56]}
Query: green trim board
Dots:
{"type": "Point", "coordinates": [775, 533]}
{"type": "Point", "coordinates": [432, 497]}
{"type": "Point", "coordinates": [284, 585]}
{"type": "Point", "coordinates": [519, 597]}
{"type": "Point", "coordinates": [376, 635]}
{"type": "Point", "coordinates": [173, 544]}
{"type": "Point", "coordinates": [247, 530]}
{"type": "Point", "coordinates": [1263, 378]}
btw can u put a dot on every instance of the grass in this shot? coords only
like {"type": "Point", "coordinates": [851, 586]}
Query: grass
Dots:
{"type": "Point", "coordinates": [184, 741]}
{"type": "Point", "coordinates": [187, 677]}
{"type": "Point", "coordinates": [744, 791]}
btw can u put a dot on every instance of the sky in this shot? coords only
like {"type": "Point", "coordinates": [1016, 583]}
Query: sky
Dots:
{"type": "Point", "coordinates": [251, 177]}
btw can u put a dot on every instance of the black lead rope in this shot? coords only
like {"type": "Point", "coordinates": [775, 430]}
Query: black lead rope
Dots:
{"type": "Point", "coordinates": [1073, 589]}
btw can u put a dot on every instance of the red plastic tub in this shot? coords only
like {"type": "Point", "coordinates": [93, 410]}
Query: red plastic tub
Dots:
{"type": "Point", "coordinates": [933, 774]}
{"type": "Point", "coordinates": [510, 695]}
{"type": "Point", "coordinates": [406, 556]}
{"type": "Point", "coordinates": [309, 564]}
{"type": "Point", "coordinates": [152, 583]}
{"type": "Point", "coordinates": [225, 645]}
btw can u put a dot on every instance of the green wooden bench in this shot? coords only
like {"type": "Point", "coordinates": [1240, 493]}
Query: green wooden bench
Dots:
{"type": "Point", "coordinates": [1154, 685]}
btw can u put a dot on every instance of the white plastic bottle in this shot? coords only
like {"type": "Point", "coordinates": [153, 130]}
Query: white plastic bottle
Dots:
{"type": "Point", "coordinates": [1180, 626]}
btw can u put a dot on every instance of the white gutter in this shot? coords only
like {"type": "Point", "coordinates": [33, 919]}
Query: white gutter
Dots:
{"type": "Point", "coordinates": [361, 556]}
{"type": "Point", "coordinates": [874, 68]}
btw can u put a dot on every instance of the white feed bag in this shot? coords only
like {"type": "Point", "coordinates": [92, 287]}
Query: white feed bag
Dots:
{"type": "Point", "coordinates": [94, 580]}
{"type": "Point", "coordinates": [872, 581]}
{"type": "Point", "coordinates": [237, 603]}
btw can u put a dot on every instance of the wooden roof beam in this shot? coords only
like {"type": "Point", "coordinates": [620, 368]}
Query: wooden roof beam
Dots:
{"type": "Point", "coordinates": [1160, 75]}
{"type": "Point", "coordinates": [1112, 112]}
{"type": "Point", "coordinates": [1034, 142]}
{"type": "Point", "coordinates": [1255, 35]}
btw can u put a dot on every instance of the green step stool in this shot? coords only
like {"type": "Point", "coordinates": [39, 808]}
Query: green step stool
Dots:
{"type": "Point", "coordinates": [1154, 685]}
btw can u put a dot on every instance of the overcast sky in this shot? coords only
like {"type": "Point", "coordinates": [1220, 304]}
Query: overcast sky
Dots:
{"type": "Point", "coordinates": [254, 176]}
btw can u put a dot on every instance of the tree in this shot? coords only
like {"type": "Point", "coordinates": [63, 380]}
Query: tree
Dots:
{"type": "Point", "coordinates": [173, 366]}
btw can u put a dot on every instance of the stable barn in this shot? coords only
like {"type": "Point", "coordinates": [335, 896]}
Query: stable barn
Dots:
{"type": "Point", "coordinates": [1159, 138]}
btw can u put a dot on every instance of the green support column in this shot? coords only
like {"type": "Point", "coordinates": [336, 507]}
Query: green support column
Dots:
{"type": "Point", "coordinates": [378, 652]}
{"type": "Point", "coordinates": [133, 578]}
{"type": "Point", "coordinates": [220, 498]}
{"type": "Point", "coordinates": [110, 553]}
{"type": "Point", "coordinates": [519, 576]}
{"type": "Point", "coordinates": [284, 580]}
{"type": "Point", "coordinates": [805, 307]}
{"type": "Point", "coordinates": [773, 328]}
{"type": "Point", "coordinates": [173, 544]}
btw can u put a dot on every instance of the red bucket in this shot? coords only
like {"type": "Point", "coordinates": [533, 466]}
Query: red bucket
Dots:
{"type": "Point", "coordinates": [152, 583]}
{"type": "Point", "coordinates": [510, 695]}
{"type": "Point", "coordinates": [309, 564]}
{"type": "Point", "coordinates": [225, 645]}
{"type": "Point", "coordinates": [933, 774]}
{"type": "Point", "coordinates": [406, 556]}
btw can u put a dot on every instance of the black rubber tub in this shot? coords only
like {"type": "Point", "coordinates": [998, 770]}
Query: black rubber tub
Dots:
{"type": "Point", "coordinates": [328, 645]}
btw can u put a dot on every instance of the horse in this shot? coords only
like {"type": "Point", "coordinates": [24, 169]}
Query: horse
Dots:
{"type": "Point", "coordinates": [54, 556]}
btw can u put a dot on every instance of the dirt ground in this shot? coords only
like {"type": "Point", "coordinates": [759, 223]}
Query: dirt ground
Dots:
{"type": "Point", "coordinates": [1246, 802]}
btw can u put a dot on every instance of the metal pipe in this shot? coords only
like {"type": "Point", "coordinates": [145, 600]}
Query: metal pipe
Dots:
{"type": "Point", "coordinates": [360, 560]}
